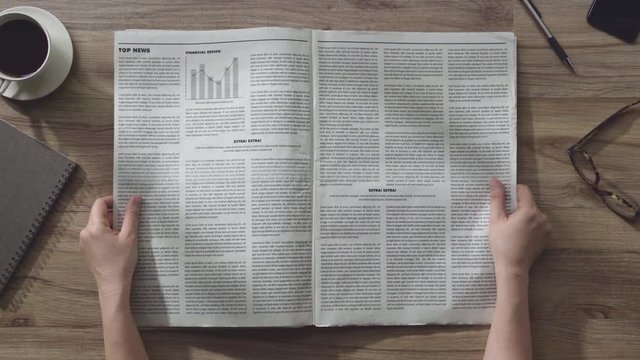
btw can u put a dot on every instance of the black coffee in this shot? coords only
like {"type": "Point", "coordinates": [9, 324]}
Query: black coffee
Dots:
{"type": "Point", "coordinates": [23, 47]}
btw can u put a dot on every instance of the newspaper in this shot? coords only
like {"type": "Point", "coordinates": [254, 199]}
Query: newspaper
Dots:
{"type": "Point", "coordinates": [297, 177]}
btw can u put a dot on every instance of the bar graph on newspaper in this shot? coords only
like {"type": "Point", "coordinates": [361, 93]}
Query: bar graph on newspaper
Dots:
{"type": "Point", "coordinates": [202, 85]}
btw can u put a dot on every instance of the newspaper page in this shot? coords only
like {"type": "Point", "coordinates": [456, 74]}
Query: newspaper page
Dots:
{"type": "Point", "coordinates": [408, 130]}
{"type": "Point", "coordinates": [213, 129]}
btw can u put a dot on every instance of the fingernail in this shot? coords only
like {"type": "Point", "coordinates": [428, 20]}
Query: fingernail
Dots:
{"type": "Point", "coordinates": [137, 199]}
{"type": "Point", "coordinates": [493, 182]}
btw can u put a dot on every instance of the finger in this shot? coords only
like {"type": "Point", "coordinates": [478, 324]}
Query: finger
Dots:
{"type": "Point", "coordinates": [111, 218]}
{"type": "Point", "coordinates": [525, 197]}
{"type": "Point", "coordinates": [497, 205]}
{"type": "Point", "coordinates": [100, 211]}
{"type": "Point", "coordinates": [130, 222]}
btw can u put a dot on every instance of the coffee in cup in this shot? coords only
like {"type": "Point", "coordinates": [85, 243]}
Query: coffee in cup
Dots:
{"type": "Point", "coordinates": [24, 46]}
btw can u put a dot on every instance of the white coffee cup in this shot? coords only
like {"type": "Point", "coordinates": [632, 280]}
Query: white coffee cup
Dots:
{"type": "Point", "coordinates": [41, 74]}
{"type": "Point", "coordinates": [39, 31]}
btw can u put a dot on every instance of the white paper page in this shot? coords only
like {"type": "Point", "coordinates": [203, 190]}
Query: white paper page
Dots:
{"type": "Point", "coordinates": [408, 130]}
{"type": "Point", "coordinates": [213, 129]}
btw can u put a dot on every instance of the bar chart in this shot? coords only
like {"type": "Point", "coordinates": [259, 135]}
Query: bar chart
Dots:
{"type": "Point", "coordinates": [203, 86]}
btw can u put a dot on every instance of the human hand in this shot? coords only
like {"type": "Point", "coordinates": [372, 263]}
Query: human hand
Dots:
{"type": "Point", "coordinates": [111, 255]}
{"type": "Point", "coordinates": [517, 238]}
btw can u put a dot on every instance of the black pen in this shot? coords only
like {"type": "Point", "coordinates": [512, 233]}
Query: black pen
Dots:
{"type": "Point", "coordinates": [552, 40]}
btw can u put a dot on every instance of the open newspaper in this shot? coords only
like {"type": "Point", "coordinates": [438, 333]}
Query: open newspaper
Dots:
{"type": "Point", "coordinates": [294, 177]}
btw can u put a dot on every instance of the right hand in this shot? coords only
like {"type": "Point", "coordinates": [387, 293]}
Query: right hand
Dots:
{"type": "Point", "coordinates": [111, 254]}
{"type": "Point", "coordinates": [517, 238]}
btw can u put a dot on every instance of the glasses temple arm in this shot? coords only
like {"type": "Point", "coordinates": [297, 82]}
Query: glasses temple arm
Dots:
{"type": "Point", "coordinates": [601, 125]}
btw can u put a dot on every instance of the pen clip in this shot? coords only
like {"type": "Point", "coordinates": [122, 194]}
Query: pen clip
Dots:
{"type": "Point", "coordinates": [533, 6]}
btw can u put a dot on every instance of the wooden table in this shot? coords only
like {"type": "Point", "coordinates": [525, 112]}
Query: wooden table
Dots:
{"type": "Point", "coordinates": [585, 289]}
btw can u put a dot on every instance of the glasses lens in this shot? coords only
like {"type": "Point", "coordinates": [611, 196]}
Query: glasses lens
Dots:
{"type": "Point", "coordinates": [584, 167]}
{"type": "Point", "coordinates": [619, 206]}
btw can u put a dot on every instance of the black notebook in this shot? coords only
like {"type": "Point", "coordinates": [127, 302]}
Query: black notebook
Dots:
{"type": "Point", "coordinates": [31, 178]}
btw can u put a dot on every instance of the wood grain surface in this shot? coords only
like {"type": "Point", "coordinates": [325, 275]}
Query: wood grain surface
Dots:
{"type": "Point", "coordinates": [584, 289]}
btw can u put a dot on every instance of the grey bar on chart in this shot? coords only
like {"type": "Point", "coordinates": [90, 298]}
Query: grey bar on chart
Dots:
{"type": "Point", "coordinates": [235, 77]}
{"type": "Point", "coordinates": [227, 88]}
{"type": "Point", "coordinates": [218, 90]}
{"type": "Point", "coordinates": [193, 84]}
{"type": "Point", "coordinates": [201, 87]}
{"type": "Point", "coordinates": [209, 88]}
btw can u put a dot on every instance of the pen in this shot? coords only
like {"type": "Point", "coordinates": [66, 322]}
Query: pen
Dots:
{"type": "Point", "coordinates": [552, 40]}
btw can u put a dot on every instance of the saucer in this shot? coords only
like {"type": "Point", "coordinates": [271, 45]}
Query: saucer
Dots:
{"type": "Point", "coordinates": [60, 59]}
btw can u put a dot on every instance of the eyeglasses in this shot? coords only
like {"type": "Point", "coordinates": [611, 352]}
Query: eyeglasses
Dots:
{"type": "Point", "coordinates": [586, 168]}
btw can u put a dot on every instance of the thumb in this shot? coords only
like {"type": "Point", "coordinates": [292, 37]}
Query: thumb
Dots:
{"type": "Point", "coordinates": [130, 223]}
{"type": "Point", "coordinates": [497, 205]}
